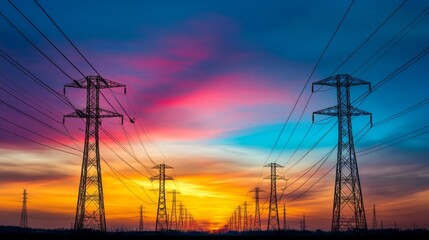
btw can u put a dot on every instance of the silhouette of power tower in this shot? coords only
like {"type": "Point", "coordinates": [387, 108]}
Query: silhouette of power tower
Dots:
{"type": "Point", "coordinates": [23, 222]}
{"type": "Point", "coordinates": [257, 220]}
{"type": "Point", "coordinates": [348, 211]}
{"type": "Point", "coordinates": [141, 226]}
{"type": "Point", "coordinates": [284, 216]}
{"type": "Point", "coordinates": [374, 218]}
{"type": "Point", "coordinates": [90, 203]}
{"type": "Point", "coordinates": [239, 218]}
{"type": "Point", "coordinates": [161, 214]}
{"type": "Point", "coordinates": [173, 216]}
{"type": "Point", "coordinates": [181, 216]}
{"type": "Point", "coordinates": [273, 213]}
{"type": "Point", "coordinates": [245, 223]}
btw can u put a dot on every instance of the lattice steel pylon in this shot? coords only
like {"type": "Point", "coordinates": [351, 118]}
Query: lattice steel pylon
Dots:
{"type": "Point", "coordinates": [141, 226]}
{"type": "Point", "coordinates": [245, 222]}
{"type": "Point", "coordinates": [90, 204]}
{"type": "Point", "coordinates": [181, 216]}
{"type": "Point", "coordinates": [23, 221]}
{"type": "Point", "coordinates": [374, 219]}
{"type": "Point", "coordinates": [239, 218]}
{"type": "Point", "coordinates": [161, 214]}
{"type": "Point", "coordinates": [257, 219]}
{"type": "Point", "coordinates": [273, 211]}
{"type": "Point", "coordinates": [174, 225]}
{"type": "Point", "coordinates": [348, 210]}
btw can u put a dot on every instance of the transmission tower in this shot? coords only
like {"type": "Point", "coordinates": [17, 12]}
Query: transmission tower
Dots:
{"type": "Point", "coordinates": [90, 203]}
{"type": "Point", "coordinates": [186, 220]}
{"type": "Point", "coordinates": [239, 218]}
{"type": "Point", "coordinates": [24, 218]}
{"type": "Point", "coordinates": [257, 221]}
{"type": "Point", "coordinates": [141, 226]}
{"type": "Point", "coordinates": [273, 213]}
{"type": "Point", "coordinates": [374, 218]}
{"type": "Point", "coordinates": [245, 223]}
{"type": "Point", "coordinates": [235, 220]}
{"type": "Point", "coordinates": [181, 216]}
{"type": "Point", "coordinates": [348, 211]}
{"type": "Point", "coordinates": [284, 216]}
{"type": "Point", "coordinates": [161, 214]}
{"type": "Point", "coordinates": [173, 216]}
{"type": "Point", "coordinates": [250, 222]}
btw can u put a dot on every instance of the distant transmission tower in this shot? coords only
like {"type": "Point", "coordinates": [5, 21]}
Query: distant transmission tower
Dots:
{"type": "Point", "coordinates": [273, 213]}
{"type": "Point", "coordinates": [90, 203]}
{"type": "Point", "coordinates": [239, 218]}
{"type": "Point", "coordinates": [181, 216]}
{"type": "Point", "coordinates": [24, 218]}
{"type": "Point", "coordinates": [141, 226]}
{"type": "Point", "coordinates": [284, 216]}
{"type": "Point", "coordinates": [257, 220]}
{"type": "Point", "coordinates": [161, 214]}
{"type": "Point", "coordinates": [348, 211]}
{"type": "Point", "coordinates": [173, 216]}
{"type": "Point", "coordinates": [245, 222]}
{"type": "Point", "coordinates": [374, 219]}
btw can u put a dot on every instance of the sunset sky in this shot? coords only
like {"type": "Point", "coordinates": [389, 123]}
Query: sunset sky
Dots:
{"type": "Point", "coordinates": [211, 84]}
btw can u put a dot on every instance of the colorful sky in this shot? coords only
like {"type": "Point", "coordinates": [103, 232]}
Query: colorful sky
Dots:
{"type": "Point", "coordinates": [211, 84]}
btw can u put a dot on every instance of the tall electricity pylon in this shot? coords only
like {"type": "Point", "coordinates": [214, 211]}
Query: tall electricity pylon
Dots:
{"type": "Point", "coordinates": [273, 212]}
{"type": "Point", "coordinates": [284, 216]}
{"type": "Point", "coordinates": [239, 218]}
{"type": "Point", "coordinates": [23, 222]}
{"type": "Point", "coordinates": [181, 216]}
{"type": "Point", "coordinates": [257, 220]}
{"type": "Point", "coordinates": [90, 203]}
{"type": "Point", "coordinates": [141, 226]}
{"type": "Point", "coordinates": [174, 225]}
{"type": "Point", "coordinates": [374, 219]}
{"type": "Point", "coordinates": [245, 222]}
{"type": "Point", "coordinates": [348, 211]}
{"type": "Point", "coordinates": [161, 214]}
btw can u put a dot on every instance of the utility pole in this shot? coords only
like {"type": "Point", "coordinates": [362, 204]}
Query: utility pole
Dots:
{"type": "Point", "coordinates": [141, 227]}
{"type": "Point", "coordinates": [273, 213]}
{"type": "Point", "coordinates": [161, 214]}
{"type": "Point", "coordinates": [245, 223]}
{"type": "Point", "coordinates": [173, 215]}
{"type": "Point", "coordinates": [23, 223]}
{"type": "Point", "coordinates": [348, 210]}
{"type": "Point", "coordinates": [90, 204]}
{"type": "Point", "coordinates": [257, 222]}
{"type": "Point", "coordinates": [374, 218]}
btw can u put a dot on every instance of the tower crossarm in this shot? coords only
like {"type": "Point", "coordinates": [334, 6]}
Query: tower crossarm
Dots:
{"type": "Point", "coordinates": [157, 177]}
{"type": "Point", "coordinates": [344, 80]}
{"type": "Point", "coordinates": [333, 111]}
{"type": "Point", "coordinates": [99, 81]}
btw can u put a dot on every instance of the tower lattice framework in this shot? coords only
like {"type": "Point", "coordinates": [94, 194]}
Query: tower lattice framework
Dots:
{"type": "Point", "coordinates": [348, 209]}
{"type": "Point", "coordinates": [23, 222]}
{"type": "Point", "coordinates": [273, 211]}
{"type": "Point", "coordinates": [174, 224]}
{"type": "Point", "coordinates": [161, 214]}
{"type": "Point", "coordinates": [90, 204]}
{"type": "Point", "coordinates": [257, 219]}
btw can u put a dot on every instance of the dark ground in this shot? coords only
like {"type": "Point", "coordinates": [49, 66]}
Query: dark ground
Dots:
{"type": "Point", "coordinates": [16, 233]}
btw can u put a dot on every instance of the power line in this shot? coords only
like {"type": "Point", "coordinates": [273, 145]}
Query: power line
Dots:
{"type": "Point", "coordinates": [39, 143]}
{"type": "Point", "coordinates": [369, 37]}
{"type": "Point", "coordinates": [308, 80]}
